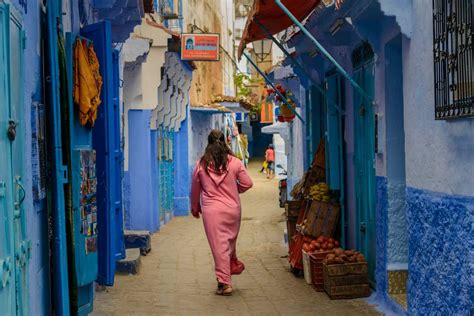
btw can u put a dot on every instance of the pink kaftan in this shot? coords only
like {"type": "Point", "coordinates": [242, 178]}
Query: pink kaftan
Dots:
{"type": "Point", "coordinates": [216, 196]}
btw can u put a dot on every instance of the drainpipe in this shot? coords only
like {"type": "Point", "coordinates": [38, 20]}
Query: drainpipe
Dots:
{"type": "Point", "coordinates": [273, 86]}
{"type": "Point", "coordinates": [296, 63]}
{"type": "Point", "coordinates": [324, 51]}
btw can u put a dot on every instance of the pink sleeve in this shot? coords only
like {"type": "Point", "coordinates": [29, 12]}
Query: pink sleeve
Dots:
{"type": "Point", "coordinates": [243, 179]}
{"type": "Point", "coordinates": [196, 192]}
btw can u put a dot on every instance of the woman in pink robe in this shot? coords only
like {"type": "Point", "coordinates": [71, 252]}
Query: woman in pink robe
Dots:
{"type": "Point", "coordinates": [218, 179]}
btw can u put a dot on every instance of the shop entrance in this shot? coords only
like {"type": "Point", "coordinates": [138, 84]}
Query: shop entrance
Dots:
{"type": "Point", "coordinates": [14, 249]}
{"type": "Point", "coordinates": [364, 155]}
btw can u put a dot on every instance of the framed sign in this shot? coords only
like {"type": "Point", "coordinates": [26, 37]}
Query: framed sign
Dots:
{"type": "Point", "coordinates": [200, 47]}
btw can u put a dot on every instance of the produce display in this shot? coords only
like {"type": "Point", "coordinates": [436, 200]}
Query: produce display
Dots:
{"type": "Point", "coordinates": [320, 244]}
{"type": "Point", "coordinates": [319, 192]}
{"type": "Point", "coordinates": [341, 256]}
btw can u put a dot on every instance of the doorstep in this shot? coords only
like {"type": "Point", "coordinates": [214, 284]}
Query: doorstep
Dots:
{"type": "Point", "coordinates": [131, 263]}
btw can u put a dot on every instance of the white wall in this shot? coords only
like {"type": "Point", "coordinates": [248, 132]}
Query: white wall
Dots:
{"type": "Point", "coordinates": [142, 77]}
{"type": "Point", "coordinates": [439, 154]}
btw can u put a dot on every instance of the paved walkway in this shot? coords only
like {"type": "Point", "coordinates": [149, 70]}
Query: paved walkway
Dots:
{"type": "Point", "coordinates": [177, 277]}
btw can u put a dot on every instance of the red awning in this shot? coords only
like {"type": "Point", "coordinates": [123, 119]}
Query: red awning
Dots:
{"type": "Point", "coordinates": [269, 14]}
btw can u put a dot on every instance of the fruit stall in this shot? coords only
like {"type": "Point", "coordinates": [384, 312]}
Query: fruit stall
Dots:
{"type": "Point", "coordinates": [315, 251]}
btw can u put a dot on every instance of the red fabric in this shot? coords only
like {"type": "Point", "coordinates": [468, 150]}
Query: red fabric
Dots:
{"type": "Point", "coordinates": [295, 256]}
{"type": "Point", "coordinates": [269, 14]}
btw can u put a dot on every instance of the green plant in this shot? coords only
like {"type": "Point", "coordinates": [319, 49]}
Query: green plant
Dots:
{"type": "Point", "coordinates": [241, 80]}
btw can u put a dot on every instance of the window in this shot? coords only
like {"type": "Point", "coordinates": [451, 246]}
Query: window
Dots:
{"type": "Point", "coordinates": [453, 53]}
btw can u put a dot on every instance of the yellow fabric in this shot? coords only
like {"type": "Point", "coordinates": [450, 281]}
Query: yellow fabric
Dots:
{"type": "Point", "coordinates": [87, 82]}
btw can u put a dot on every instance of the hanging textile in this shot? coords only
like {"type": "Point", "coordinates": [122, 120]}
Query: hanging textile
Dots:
{"type": "Point", "coordinates": [87, 82]}
{"type": "Point", "coordinates": [266, 114]}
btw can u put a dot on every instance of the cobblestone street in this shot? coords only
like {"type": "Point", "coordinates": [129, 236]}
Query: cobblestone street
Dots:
{"type": "Point", "coordinates": [177, 277]}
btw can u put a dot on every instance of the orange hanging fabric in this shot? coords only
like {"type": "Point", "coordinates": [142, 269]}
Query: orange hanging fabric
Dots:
{"type": "Point", "coordinates": [266, 115]}
{"type": "Point", "coordinates": [87, 82]}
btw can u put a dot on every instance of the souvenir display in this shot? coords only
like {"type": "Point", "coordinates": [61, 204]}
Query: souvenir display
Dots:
{"type": "Point", "coordinates": [88, 201]}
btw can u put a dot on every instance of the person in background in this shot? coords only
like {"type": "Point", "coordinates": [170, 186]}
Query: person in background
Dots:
{"type": "Point", "coordinates": [264, 165]}
{"type": "Point", "coordinates": [218, 179]}
{"type": "Point", "coordinates": [270, 159]}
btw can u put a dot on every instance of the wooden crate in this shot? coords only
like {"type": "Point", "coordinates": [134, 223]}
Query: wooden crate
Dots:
{"type": "Point", "coordinates": [346, 281]}
{"type": "Point", "coordinates": [339, 292]}
{"type": "Point", "coordinates": [346, 269]}
{"type": "Point", "coordinates": [291, 229]}
{"type": "Point", "coordinates": [293, 208]}
{"type": "Point", "coordinates": [322, 218]}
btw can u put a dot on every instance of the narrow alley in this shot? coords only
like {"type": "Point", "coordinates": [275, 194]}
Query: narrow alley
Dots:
{"type": "Point", "coordinates": [177, 277]}
{"type": "Point", "coordinates": [359, 111]}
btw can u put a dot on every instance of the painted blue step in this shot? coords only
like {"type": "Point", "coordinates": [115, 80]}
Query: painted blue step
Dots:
{"type": "Point", "coordinates": [138, 239]}
{"type": "Point", "coordinates": [131, 263]}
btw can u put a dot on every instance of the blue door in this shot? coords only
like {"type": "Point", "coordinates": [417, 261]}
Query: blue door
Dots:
{"type": "Point", "coordinates": [59, 171]}
{"type": "Point", "coordinates": [80, 204]}
{"type": "Point", "coordinates": [106, 142]}
{"type": "Point", "coordinates": [16, 100]}
{"type": "Point", "coordinates": [364, 156]}
{"type": "Point", "coordinates": [118, 162]}
{"type": "Point", "coordinates": [335, 143]}
{"type": "Point", "coordinates": [7, 244]}
{"type": "Point", "coordinates": [14, 248]}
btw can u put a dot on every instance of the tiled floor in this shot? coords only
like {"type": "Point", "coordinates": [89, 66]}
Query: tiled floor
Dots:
{"type": "Point", "coordinates": [177, 277]}
{"type": "Point", "coordinates": [400, 299]}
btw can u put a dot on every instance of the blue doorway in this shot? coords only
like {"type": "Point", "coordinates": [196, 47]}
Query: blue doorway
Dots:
{"type": "Point", "coordinates": [364, 155]}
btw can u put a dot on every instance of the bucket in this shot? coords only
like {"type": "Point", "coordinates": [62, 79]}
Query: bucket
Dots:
{"type": "Point", "coordinates": [306, 267]}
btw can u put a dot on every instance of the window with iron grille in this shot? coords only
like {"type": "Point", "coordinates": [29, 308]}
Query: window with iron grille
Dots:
{"type": "Point", "coordinates": [453, 52]}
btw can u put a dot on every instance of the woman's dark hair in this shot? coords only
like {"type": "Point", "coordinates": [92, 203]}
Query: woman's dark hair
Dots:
{"type": "Point", "coordinates": [216, 152]}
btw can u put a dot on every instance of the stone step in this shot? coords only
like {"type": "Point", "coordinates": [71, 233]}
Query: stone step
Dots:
{"type": "Point", "coordinates": [131, 263]}
{"type": "Point", "coordinates": [138, 239]}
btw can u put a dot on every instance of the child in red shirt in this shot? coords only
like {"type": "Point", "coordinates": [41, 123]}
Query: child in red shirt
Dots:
{"type": "Point", "coordinates": [270, 159]}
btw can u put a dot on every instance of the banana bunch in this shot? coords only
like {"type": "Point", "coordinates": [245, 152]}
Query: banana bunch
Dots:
{"type": "Point", "coordinates": [319, 192]}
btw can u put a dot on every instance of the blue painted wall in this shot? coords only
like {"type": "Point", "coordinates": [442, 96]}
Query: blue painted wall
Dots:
{"type": "Point", "coordinates": [155, 206]}
{"type": "Point", "coordinates": [440, 244]}
{"type": "Point", "coordinates": [415, 151]}
{"type": "Point", "coordinates": [141, 214]}
{"type": "Point", "coordinates": [182, 176]}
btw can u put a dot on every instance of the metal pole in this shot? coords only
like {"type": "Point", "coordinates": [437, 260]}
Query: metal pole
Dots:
{"type": "Point", "coordinates": [273, 86]}
{"type": "Point", "coordinates": [296, 63]}
{"type": "Point", "coordinates": [324, 51]}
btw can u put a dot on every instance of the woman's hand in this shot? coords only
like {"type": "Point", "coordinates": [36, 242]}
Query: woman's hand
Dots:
{"type": "Point", "coordinates": [196, 213]}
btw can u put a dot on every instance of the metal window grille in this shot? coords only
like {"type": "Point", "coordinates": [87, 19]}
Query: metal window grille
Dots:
{"type": "Point", "coordinates": [453, 53]}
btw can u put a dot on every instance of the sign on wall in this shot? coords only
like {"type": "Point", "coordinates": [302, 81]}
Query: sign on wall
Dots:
{"type": "Point", "coordinates": [200, 47]}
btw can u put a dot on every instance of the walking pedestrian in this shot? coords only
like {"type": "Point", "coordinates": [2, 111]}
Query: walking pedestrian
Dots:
{"type": "Point", "coordinates": [218, 178]}
{"type": "Point", "coordinates": [270, 159]}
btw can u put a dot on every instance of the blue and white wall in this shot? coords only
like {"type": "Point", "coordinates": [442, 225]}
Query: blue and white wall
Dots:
{"type": "Point", "coordinates": [425, 190]}
{"type": "Point", "coordinates": [440, 186]}
{"type": "Point", "coordinates": [425, 204]}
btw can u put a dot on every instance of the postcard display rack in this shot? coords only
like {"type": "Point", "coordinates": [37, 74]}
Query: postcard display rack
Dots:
{"type": "Point", "coordinates": [88, 199]}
